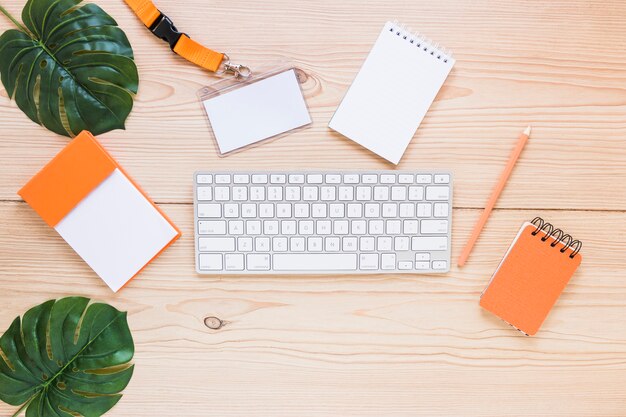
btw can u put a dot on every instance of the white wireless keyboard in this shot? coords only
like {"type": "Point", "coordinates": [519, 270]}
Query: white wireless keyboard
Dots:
{"type": "Point", "coordinates": [322, 222]}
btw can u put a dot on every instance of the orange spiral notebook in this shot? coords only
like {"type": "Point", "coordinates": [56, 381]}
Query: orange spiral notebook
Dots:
{"type": "Point", "coordinates": [535, 270]}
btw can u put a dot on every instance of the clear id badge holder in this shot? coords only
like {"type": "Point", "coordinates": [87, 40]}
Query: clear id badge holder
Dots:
{"type": "Point", "coordinates": [243, 113]}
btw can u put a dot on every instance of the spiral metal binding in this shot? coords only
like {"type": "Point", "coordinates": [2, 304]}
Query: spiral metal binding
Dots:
{"type": "Point", "coordinates": [421, 42]}
{"type": "Point", "coordinates": [558, 235]}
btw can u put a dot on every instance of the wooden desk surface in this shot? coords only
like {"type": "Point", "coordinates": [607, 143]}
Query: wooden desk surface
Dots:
{"type": "Point", "coordinates": [378, 345]}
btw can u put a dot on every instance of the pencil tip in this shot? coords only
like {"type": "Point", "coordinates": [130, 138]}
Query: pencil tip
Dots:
{"type": "Point", "coordinates": [527, 131]}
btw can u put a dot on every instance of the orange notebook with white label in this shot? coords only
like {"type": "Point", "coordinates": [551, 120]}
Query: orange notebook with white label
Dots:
{"type": "Point", "coordinates": [101, 213]}
{"type": "Point", "coordinates": [535, 270]}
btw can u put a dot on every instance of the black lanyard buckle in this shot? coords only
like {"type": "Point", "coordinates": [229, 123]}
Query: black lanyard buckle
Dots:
{"type": "Point", "coordinates": [164, 28]}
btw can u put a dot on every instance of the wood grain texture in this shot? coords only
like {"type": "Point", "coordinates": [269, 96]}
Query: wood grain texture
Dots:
{"type": "Point", "coordinates": [380, 345]}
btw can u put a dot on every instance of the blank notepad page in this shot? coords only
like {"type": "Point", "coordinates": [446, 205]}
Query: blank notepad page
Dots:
{"type": "Point", "coordinates": [392, 92]}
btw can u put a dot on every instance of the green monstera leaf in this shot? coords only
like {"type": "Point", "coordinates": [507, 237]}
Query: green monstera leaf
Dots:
{"type": "Point", "coordinates": [69, 68]}
{"type": "Point", "coordinates": [66, 358]}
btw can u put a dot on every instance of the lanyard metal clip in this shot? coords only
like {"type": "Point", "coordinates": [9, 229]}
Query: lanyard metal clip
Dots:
{"type": "Point", "coordinates": [238, 70]}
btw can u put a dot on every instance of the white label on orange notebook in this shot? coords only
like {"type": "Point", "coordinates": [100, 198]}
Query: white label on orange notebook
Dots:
{"type": "Point", "coordinates": [116, 230]}
{"type": "Point", "coordinates": [258, 111]}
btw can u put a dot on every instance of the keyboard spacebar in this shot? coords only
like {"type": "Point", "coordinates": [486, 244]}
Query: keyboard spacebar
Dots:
{"type": "Point", "coordinates": [314, 261]}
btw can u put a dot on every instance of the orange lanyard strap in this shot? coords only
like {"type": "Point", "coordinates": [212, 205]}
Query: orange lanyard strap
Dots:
{"type": "Point", "coordinates": [163, 27]}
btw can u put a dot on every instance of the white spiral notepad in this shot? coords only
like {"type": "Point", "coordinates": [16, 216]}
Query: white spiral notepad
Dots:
{"type": "Point", "coordinates": [392, 92]}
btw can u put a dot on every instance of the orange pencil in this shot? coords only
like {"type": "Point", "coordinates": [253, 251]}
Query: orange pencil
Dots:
{"type": "Point", "coordinates": [521, 142]}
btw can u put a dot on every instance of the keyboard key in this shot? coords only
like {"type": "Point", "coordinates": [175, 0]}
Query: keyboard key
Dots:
{"type": "Point", "coordinates": [204, 193]}
{"type": "Point", "coordinates": [351, 179]}
{"type": "Point", "coordinates": [437, 193]}
{"type": "Point", "coordinates": [258, 262]}
{"type": "Point", "coordinates": [323, 227]}
{"type": "Point", "coordinates": [390, 210]}
{"type": "Point", "coordinates": [204, 179]}
{"type": "Point", "coordinates": [309, 194]}
{"type": "Point", "coordinates": [337, 210]}
{"type": "Point", "coordinates": [350, 244]}
{"type": "Point", "coordinates": [279, 244]}
{"type": "Point", "coordinates": [369, 178]}
{"type": "Point", "coordinates": [355, 210]}
{"type": "Point", "coordinates": [222, 193]}
{"type": "Point", "coordinates": [416, 193]}
{"type": "Point", "coordinates": [422, 265]}
{"type": "Point", "coordinates": [381, 193]}
{"type": "Point", "coordinates": [316, 244]}
{"type": "Point", "coordinates": [341, 227]}
{"type": "Point", "coordinates": [278, 179]}
{"type": "Point", "coordinates": [231, 210]}
{"type": "Point", "coordinates": [234, 261]}
{"type": "Point", "coordinates": [384, 243]}
{"type": "Point", "coordinates": [315, 262]}
{"type": "Point", "coordinates": [259, 179]}
{"type": "Point", "coordinates": [423, 179]}
{"type": "Point", "coordinates": [216, 244]}
{"type": "Point", "coordinates": [406, 178]}
{"type": "Point", "coordinates": [405, 265]}
{"type": "Point", "coordinates": [442, 179]}
{"type": "Point", "coordinates": [424, 209]}
{"type": "Point", "coordinates": [372, 210]}
{"type": "Point", "coordinates": [270, 227]}
{"type": "Point", "coordinates": [376, 227]}
{"type": "Point", "coordinates": [429, 243]}
{"type": "Point", "coordinates": [388, 261]}
{"type": "Point", "coordinates": [275, 193]}
{"type": "Point", "coordinates": [368, 261]}
{"type": "Point", "coordinates": [398, 193]}
{"type": "Point", "coordinates": [297, 244]}
{"type": "Point", "coordinates": [358, 227]}
{"type": "Point", "coordinates": [209, 210]}
{"type": "Point", "coordinates": [235, 227]}
{"type": "Point", "coordinates": [305, 227]}
{"type": "Point", "coordinates": [363, 193]}
{"type": "Point", "coordinates": [296, 179]}
{"type": "Point", "coordinates": [332, 244]}
{"type": "Point", "coordinates": [401, 243]}
{"type": "Point", "coordinates": [441, 210]}
{"type": "Point", "coordinates": [244, 244]}
{"type": "Point", "coordinates": [407, 210]}
{"type": "Point", "coordinates": [240, 194]}
{"type": "Point", "coordinates": [301, 210]}
{"type": "Point", "coordinates": [314, 178]}
{"type": "Point", "coordinates": [430, 227]}
{"type": "Point", "coordinates": [212, 227]}
{"type": "Point", "coordinates": [283, 210]}
{"type": "Point", "coordinates": [262, 244]}
{"type": "Point", "coordinates": [346, 193]}
{"type": "Point", "coordinates": [210, 262]}
{"type": "Point", "coordinates": [241, 179]}
{"type": "Point", "coordinates": [222, 179]}
{"type": "Point", "coordinates": [253, 227]}
{"type": "Point", "coordinates": [394, 227]}
{"type": "Point", "coordinates": [292, 193]}
{"type": "Point", "coordinates": [333, 178]}
{"type": "Point", "coordinates": [288, 227]}
{"type": "Point", "coordinates": [257, 193]}
{"type": "Point", "coordinates": [440, 265]}
{"type": "Point", "coordinates": [410, 227]}
{"type": "Point", "coordinates": [388, 179]}
{"type": "Point", "coordinates": [425, 256]}
{"type": "Point", "coordinates": [328, 194]}
{"type": "Point", "coordinates": [367, 243]}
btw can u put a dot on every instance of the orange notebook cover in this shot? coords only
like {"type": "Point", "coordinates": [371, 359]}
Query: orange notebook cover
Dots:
{"type": "Point", "coordinates": [86, 196]}
{"type": "Point", "coordinates": [535, 270]}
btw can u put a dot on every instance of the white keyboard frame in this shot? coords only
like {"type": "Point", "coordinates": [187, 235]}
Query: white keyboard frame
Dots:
{"type": "Point", "coordinates": [440, 255]}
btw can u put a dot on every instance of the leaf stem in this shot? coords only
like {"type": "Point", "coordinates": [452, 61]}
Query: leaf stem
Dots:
{"type": "Point", "coordinates": [12, 19]}
{"type": "Point", "coordinates": [26, 404]}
